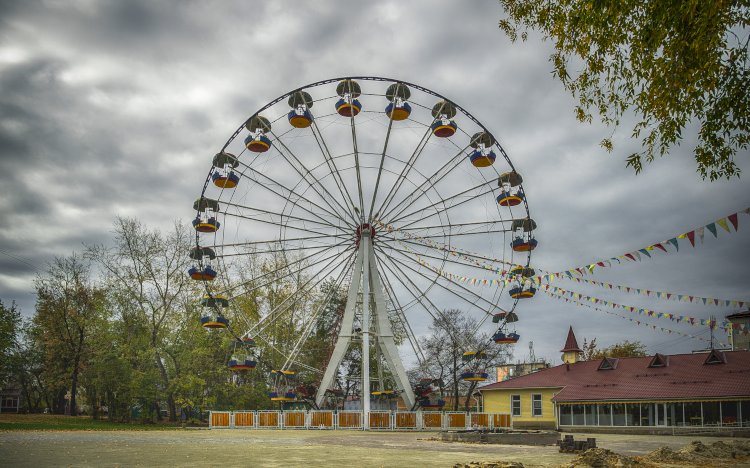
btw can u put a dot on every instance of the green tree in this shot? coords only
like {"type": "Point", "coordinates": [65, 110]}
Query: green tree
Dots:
{"type": "Point", "coordinates": [625, 348]}
{"type": "Point", "coordinates": [68, 310]}
{"type": "Point", "coordinates": [10, 325]}
{"type": "Point", "coordinates": [670, 63]}
{"type": "Point", "coordinates": [147, 269]}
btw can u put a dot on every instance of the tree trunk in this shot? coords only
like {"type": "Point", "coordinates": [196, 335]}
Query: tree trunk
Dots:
{"type": "Point", "coordinates": [170, 394]}
{"type": "Point", "coordinates": [455, 380]}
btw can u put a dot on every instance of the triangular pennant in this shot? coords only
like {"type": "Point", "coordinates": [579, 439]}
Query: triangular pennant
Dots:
{"type": "Point", "coordinates": [723, 223]}
{"type": "Point", "coordinates": [673, 241]}
{"type": "Point", "coordinates": [691, 237]}
{"type": "Point", "coordinates": [700, 232]}
{"type": "Point", "coordinates": [659, 246]}
{"type": "Point", "coordinates": [712, 227]}
{"type": "Point", "coordinates": [733, 219]}
{"type": "Point", "coordinates": [645, 252]}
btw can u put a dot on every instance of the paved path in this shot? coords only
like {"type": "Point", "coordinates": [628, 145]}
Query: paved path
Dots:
{"type": "Point", "coordinates": [274, 448]}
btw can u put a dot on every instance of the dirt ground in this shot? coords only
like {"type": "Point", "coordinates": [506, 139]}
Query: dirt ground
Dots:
{"type": "Point", "coordinates": [275, 448]}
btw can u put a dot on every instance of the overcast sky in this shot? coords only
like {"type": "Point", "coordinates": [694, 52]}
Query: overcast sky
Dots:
{"type": "Point", "coordinates": [116, 108]}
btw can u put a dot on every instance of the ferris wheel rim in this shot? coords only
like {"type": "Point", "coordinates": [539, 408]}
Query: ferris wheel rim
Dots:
{"type": "Point", "coordinates": [357, 166]}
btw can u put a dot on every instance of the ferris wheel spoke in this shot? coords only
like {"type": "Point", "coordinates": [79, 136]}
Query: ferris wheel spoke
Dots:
{"type": "Point", "coordinates": [402, 318]}
{"type": "Point", "coordinates": [438, 315]}
{"type": "Point", "coordinates": [356, 164]}
{"type": "Point", "coordinates": [281, 215]}
{"type": "Point", "coordinates": [432, 180]}
{"type": "Point", "coordinates": [454, 225]}
{"type": "Point", "coordinates": [331, 163]}
{"type": "Point", "coordinates": [288, 239]}
{"type": "Point", "coordinates": [443, 202]}
{"type": "Point", "coordinates": [314, 316]}
{"type": "Point", "coordinates": [274, 314]}
{"type": "Point", "coordinates": [277, 223]}
{"type": "Point", "coordinates": [406, 169]}
{"type": "Point", "coordinates": [446, 258]}
{"type": "Point", "coordinates": [305, 173]}
{"type": "Point", "coordinates": [291, 192]}
{"type": "Point", "coordinates": [445, 248]}
{"type": "Point", "coordinates": [380, 168]}
{"type": "Point", "coordinates": [280, 249]}
{"type": "Point", "coordinates": [284, 267]}
{"type": "Point", "coordinates": [452, 291]}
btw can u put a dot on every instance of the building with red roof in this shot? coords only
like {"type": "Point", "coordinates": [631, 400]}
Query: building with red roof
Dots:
{"type": "Point", "coordinates": [702, 389]}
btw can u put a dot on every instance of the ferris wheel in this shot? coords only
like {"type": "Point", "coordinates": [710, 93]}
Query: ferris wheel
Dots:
{"type": "Point", "coordinates": [387, 200]}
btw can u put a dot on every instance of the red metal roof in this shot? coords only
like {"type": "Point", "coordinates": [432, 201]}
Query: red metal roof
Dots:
{"type": "Point", "coordinates": [570, 343]}
{"type": "Point", "coordinates": [685, 377]}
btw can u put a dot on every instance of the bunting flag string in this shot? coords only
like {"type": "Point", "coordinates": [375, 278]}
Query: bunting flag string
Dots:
{"type": "Point", "coordinates": [637, 322]}
{"type": "Point", "coordinates": [638, 254]}
{"type": "Point", "coordinates": [712, 324]}
{"type": "Point", "coordinates": [465, 255]}
{"type": "Point", "coordinates": [663, 295]}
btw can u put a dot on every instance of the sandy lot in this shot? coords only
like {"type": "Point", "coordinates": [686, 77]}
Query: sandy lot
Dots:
{"type": "Point", "coordinates": [275, 448]}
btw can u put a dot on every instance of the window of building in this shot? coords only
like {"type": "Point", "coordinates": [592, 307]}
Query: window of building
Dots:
{"type": "Point", "coordinates": [633, 414]}
{"type": "Point", "coordinates": [605, 415]}
{"type": "Point", "coordinates": [711, 413]}
{"type": "Point", "coordinates": [618, 414]}
{"type": "Point", "coordinates": [515, 405]}
{"type": "Point", "coordinates": [693, 414]}
{"type": "Point", "coordinates": [591, 414]}
{"type": "Point", "coordinates": [578, 415]}
{"type": "Point", "coordinates": [536, 404]}
{"type": "Point", "coordinates": [566, 418]}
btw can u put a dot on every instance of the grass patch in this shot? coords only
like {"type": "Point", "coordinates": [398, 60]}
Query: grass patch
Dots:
{"type": "Point", "coordinates": [54, 422]}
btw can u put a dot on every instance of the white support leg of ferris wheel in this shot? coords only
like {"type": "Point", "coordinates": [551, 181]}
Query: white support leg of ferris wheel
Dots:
{"type": "Point", "coordinates": [384, 334]}
{"type": "Point", "coordinates": [366, 275]}
{"type": "Point", "coordinates": [346, 331]}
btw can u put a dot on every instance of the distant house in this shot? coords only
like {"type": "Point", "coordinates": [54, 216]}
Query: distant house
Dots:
{"type": "Point", "coordinates": [10, 400]}
{"type": "Point", "coordinates": [706, 389]}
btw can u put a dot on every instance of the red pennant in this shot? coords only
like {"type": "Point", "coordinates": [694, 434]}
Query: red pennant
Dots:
{"type": "Point", "coordinates": [733, 220]}
{"type": "Point", "coordinates": [659, 246]}
{"type": "Point", "coordinates": [669, 295]}
{"type": "Point", "coordinates": [691, 237]}
{"type": "Point", "coordinates": [630, 256]}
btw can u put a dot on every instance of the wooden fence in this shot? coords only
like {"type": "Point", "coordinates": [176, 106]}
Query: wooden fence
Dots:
{"type": "Point", "coordinates": [376, 420]}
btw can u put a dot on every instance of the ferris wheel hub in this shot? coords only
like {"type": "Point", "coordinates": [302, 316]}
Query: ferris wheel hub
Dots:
{"type": "Point", "coordinates": [364, 228]}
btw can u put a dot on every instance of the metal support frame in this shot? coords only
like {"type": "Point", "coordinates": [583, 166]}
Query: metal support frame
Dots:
{"type": "Point", "coordinates": [367, 286]}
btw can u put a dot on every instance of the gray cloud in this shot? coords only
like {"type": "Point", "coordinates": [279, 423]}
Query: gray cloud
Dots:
{"type": "Point", "coordinates": [116, 108]}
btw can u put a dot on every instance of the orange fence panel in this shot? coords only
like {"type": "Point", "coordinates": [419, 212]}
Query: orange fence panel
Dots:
{"type": "Point", "coordinates": [321, 419]}
{"type": "Point", "coordinates": [220, 419]}
{"type": "Point", "coordinates": [501, 420]}
{"type": "Point", "coordinates": [480, 420]}
{"type": "Point", "coordinates": [294, 419]}
{"type": "Point", "coordinates": [268, 419]}
{"type": "Point", "coordinates": [432, 420]}
{"type": "Point", "coordinates": [244, 419]}
{"type": "Point", "coordinates": [380, 420]}
{"type": "Point", "coordinates": [456, 420]}
{"type": "Point", "coordinates": [406, 420]}
{"type": "Point", "coordinates": [350, 419]}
